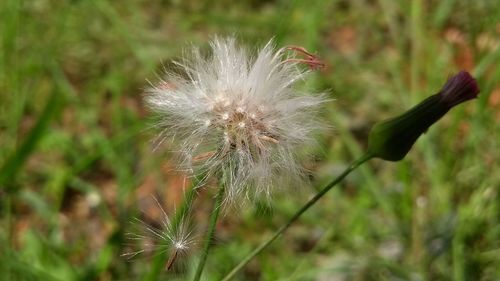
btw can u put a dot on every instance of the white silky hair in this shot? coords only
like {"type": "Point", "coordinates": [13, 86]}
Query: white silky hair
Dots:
{"type": "Point", "coordinates": [237, 116]}
{"type": "Point", "coordinates": [177, 238]}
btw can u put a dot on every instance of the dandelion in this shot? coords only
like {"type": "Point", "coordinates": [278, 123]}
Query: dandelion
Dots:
{"type": "Point", "coordinates": [175, 237]}
{"type": "Point", "coordinates": [239, 117]}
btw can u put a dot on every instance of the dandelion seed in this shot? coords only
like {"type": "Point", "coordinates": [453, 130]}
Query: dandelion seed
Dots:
{"type": "Point", "coordinates": [255, 119]}
{"type": "Point", "coordinates": [177, 238]}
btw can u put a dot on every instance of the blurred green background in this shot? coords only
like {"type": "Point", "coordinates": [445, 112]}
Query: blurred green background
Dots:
{"type": "Point", "coordinates": [76, 162]}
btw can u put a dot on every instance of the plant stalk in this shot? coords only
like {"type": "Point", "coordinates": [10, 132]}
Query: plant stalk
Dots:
{"type": "Point", "coordinates": [304, 208]}
{"type": "Point", "coordinates": [210, 233]}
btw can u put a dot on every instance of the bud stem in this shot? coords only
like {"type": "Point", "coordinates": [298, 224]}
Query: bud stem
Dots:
{"type": "Point", "coordinates": [312, 201]}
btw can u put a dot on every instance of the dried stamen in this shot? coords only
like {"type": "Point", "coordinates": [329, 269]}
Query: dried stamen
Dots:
{"type": "Point", "coordinates": [310, 59]}
{"type": "Point", "coordinates": [269, 139]}
{"type": "Point", "coordinates": [163, 85]}
{"type": "Point", "coordinates": [203, 156]}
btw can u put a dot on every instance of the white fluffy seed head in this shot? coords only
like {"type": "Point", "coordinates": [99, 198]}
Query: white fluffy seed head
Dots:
{"type": "Point", "coordinates": [254, 120]}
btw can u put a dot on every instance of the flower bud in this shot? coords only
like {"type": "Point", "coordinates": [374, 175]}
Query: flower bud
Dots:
{"type": "Point", "coordinates": [393, 138]}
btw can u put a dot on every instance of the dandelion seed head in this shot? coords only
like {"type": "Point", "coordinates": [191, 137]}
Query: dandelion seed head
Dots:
{"type": "Point", "coordinates": [255, 120]}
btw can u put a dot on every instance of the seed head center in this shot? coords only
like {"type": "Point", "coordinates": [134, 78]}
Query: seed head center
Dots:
{"type": "Point", "coordinates": [242, 125]}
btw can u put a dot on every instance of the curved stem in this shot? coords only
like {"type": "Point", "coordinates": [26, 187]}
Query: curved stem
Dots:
{"type": "Point", "coordinates": [210, 233]}
{"type": "Point", "coordinates": [304, 208]}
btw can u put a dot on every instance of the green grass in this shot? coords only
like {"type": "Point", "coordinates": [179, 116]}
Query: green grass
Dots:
{"type": "Point", "coordinates": [73, 129]}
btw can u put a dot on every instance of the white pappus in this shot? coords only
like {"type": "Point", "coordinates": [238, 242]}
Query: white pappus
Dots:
{"type": "Point", "coordinates": [238, 115]}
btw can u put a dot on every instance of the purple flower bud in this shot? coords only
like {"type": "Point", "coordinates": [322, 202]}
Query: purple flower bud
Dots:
{"type": "Point", "coordinates": [392, 139]}
{"type": "Point", "coordinates": [459, 88]}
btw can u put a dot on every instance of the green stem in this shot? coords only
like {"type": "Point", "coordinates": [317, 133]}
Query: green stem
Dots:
{"type": "Point", "coordinates": [304, 208]}
{"type": "Point", "coordinates": [210, 233]}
